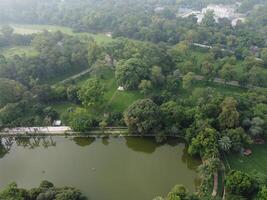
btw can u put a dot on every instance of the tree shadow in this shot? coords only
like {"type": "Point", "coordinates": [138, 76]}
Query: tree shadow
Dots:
{"type": "Point", "coordinates": [83, 141]}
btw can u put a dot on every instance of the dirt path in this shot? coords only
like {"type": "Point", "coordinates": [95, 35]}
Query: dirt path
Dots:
{"type": "Point", "coordinates": [76, 76]}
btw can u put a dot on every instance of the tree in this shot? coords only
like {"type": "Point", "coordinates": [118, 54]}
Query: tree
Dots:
{"type": "Point", "coordinates": [72, 94]}
{"type": "Point", "coordinates": [7, 31]}
{"type": "Point", "coordinates": [239, 183]}
{"type": "Point", "coordinates": [50, 113]}
{"type": "Point", "coordinates": [143, 117]}
{"type": "Point", "coordinates": [81, 121]}
{"type": "Point", "coordinates": [264, 56]}
{"type": "Point", "coordinates": [229, 117]}
{"type": "Point", "coordinates": [12, 192]}
{"type": "Point", "coordinates": [129, 73]}
{"type": "Point", "coordinates": [225, 143]}
{"type": "Point", "coordinates": [238, 138]}
{"type": "Point", "coordinates": [262, 195]}
{"type": "Point", "coordinates": [94, 52]}
{"type": "Point", "coordinates": [257, 76]}
{"type": "Point", "coordinates": [208, 19]}
{"type": "Point", "coordinates": [208, 70]}
{"type": "Point", "coordinates": [10, 113]}
{"type": "Point", "coordinates": [91, 93]}
{"type": "Point", "coordinates": [46, 191]}
{"type": "Point", "coordinates": [228, 73]}
{"type": "Point", "coordinates": [256, 129]}
{"type": "Point", "coordinates": [11, 91]}
{"type": "Point", "coordinates": [145, 86]}
{"type": "Point", "coordinates": [156, 76]}
{"type": "Point", "coordinates": [172, 114]}
{"type": "Point", "coordinates": [205, 143]}
{"type": "Point", "coordinates": [188, 80]}
{"type": "Point", "coordinates": [178, 192]}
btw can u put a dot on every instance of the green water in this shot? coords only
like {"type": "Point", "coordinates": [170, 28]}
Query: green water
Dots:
{"type": "Point", "coordinates": [103, 169]}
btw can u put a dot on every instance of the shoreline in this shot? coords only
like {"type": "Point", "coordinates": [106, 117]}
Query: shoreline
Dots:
{"type": "Point", "coordinates": [60, 131]}
{"type": "Point", "coordinates": [67, 132]}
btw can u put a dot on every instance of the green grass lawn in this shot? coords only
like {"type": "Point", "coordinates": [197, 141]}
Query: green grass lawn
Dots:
{"type": "Point", "coordinates": [62, 107]}
{"type": "Point", "coordinates": [123, 99]}
{"type": "Point", "coordinates": [18, 50]}
{"type": "Point", "coordinates": [114, 100]}
{"type": "Point", "coordinates": [226, 90]}
{"type": "Point", "coordinates": [31, 29]}
{"type": "Point", "coordinates": [257, 162]}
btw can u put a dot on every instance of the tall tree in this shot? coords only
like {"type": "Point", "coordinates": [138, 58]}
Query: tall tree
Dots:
{"type": "Point", "coordinates": [129, 73]}
{"type": "Point", "coordinates": [229, 117]}
{"type": "Point", "coordinates": [92, 93]}
{"type": "Point", "coordinates": [143, 117]}
{"type": "Point", "coordinates": [188, 80]}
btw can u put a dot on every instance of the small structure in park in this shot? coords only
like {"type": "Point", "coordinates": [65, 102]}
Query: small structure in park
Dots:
{"type": "Point", "coordinates": [120, 88]}
{"type": "Point", "coordinates": [109, 34]}
{"type": "Point", "coordinates": [247, 152]}
{"type": "Point", "coordinates": [57, 123]}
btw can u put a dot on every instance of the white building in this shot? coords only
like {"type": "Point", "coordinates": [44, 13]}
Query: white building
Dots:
{"type": "Point", "coordinates": [220, 11]}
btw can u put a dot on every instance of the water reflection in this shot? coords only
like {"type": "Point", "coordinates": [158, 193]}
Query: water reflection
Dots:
{"type": "Point", "coordinates": [5, 146]}
{"type": "Point", "coordinates": [191, 162]}
{"type": "Point", "coordinates": [105, 141]}
{"type": "Point", "coordinates": [83, 141]}
{"type": "Point", "coordinates": [34, 142]}
{"type": "Point", "coordinates": [6, 143]}
{"type": "Point", "coordinates": [148, 144]}
{"type": "Point", "coordinates": [119, 166]}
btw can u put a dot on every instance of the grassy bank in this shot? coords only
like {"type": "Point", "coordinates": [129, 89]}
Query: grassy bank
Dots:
{"type": "Point", "coordinates": [26, 29]}
{"type": "Point", "coordinates": [255, 163]}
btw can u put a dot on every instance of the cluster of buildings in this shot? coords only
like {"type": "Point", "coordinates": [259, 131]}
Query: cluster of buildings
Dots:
{"type": "Point", "coordinates": [220, 11]}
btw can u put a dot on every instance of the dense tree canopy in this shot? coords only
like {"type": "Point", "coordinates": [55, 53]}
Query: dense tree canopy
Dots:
{"type": "Point", "coordinates": [143, 117]}
{"type": "Point", "coordinates": [11, 91]}
{"type": "Point", "coordinates": [46, 190]}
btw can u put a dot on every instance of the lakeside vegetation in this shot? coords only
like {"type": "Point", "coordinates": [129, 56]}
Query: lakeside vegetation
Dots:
{"type": "Point", "coordinates": [45, 191]}
{"type": "Point", "coordinates": [150, 71]}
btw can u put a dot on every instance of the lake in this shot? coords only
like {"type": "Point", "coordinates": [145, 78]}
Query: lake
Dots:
{"type": "Point", "coordinates": [103, 169]}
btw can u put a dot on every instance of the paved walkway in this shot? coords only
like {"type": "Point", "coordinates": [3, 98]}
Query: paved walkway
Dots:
{"type": "Point", "coordinates": [36, 130]}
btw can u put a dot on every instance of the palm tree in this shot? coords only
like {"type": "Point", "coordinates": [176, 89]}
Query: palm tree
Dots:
{"type": "Point", "coordinates": [225, 143]}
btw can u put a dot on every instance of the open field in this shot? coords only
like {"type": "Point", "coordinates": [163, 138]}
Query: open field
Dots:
{"type": "Point", "coordinates": [255, 163]}
{"type": "Point", "coordinates": [114, 100]}
{"type": "Point", "coordinates": [18, 50]}
{"type": "Point", "coordinates": [31, 29]}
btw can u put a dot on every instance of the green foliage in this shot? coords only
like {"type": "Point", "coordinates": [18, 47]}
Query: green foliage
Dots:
{"type": "Point", "coordinates": [81, 121]}
{"type": "Point", "coordinates": [129, 73]}
{"type": "Point", "coordinates": [145, 86]}
{"type": "Point", "coordinates": [205, 143]}
{"type": "Point", "coordinates": [262, 195]}
{"type": "Point", "coordinates": [238, 138]}
{"type": "Point", "coordinates": [143, 117]}
{"type": "Point", "coordinates": [229, 117]}
{"type": "Point", "coordinates": [240, 183]}
{"type": "Point", "coordinates": [12, 192]}
{"type": "Point", "coordinates": [7, 31]}
{"type": "Point", "coordinates": [11, 91]}
{"type": "Point", "coordinates": [46, 191]}
{"type": "Point", "coordinates": [179, 192]}
{"type": "Point", "coordinates": [264, 55]}
{"type": "Point", "coordinates": [91, 93]}
{"type": "Point", "coordinates": [208, 19]}
{"type": "Point", "coordinates": [172, 116]}
{"type": "Point", "coordinates": [188, 80]}
{"type": "Point", "coordinates": [228, 73]}
{"type": "Point", "coordinates": [225, 143]}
